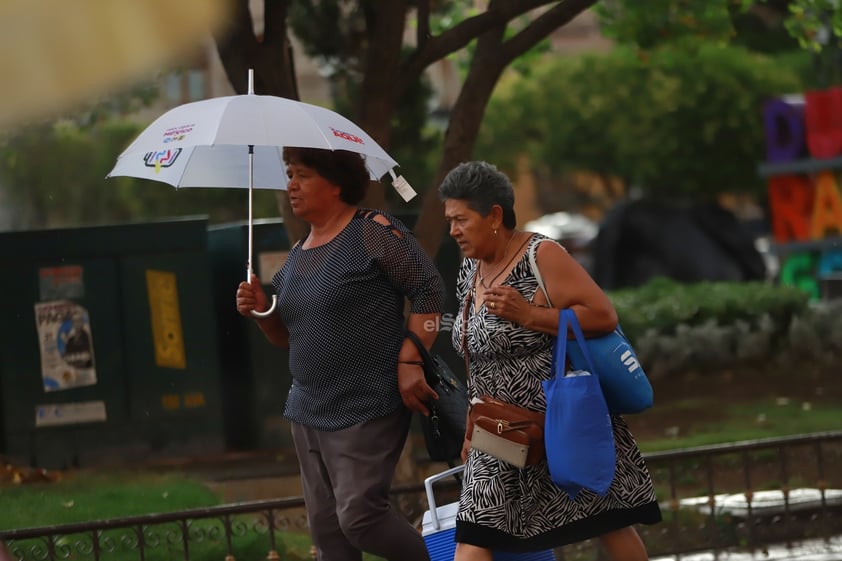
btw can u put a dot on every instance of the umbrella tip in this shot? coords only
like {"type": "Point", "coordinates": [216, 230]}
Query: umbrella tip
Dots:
{"type": "Point", "coordinates": [251, 81]}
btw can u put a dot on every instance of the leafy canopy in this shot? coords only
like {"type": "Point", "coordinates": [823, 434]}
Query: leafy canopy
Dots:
{"type": "Point", "coordinates": [677, 123]}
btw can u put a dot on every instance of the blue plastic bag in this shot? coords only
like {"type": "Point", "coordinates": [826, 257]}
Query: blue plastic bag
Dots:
{"type": "Point", "coordinates": [578, 434]}
{"type": "Point", "coordinates": [624, 384]}
{"type": "Point", "coordinates": [623, 381]}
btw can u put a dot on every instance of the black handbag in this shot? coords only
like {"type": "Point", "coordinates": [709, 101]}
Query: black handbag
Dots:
{"type": "Point", "coordinates": [444, 428]}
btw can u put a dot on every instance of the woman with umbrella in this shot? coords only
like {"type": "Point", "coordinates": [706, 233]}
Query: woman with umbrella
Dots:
{"type": "Point", "coordinates": [356, 379]}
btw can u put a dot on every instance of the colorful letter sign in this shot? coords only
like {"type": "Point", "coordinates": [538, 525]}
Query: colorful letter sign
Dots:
{"type": "Point", "coordinates": [804, 154]}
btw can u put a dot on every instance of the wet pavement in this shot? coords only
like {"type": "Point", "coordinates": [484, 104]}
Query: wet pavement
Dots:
{"type": "Point", "coordinates": [811, 550]}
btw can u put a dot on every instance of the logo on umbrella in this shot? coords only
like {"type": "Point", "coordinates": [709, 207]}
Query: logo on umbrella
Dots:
{"type": "Point", "coordinates": [347, 136]}
{"type": "Point", "coordinates": [161, 159]}
{"type": "Point", "coordinates": [177, 133]}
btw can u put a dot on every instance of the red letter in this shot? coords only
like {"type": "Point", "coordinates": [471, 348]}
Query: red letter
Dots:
{"type": "Point", "coordinates": [823, 116]}
{"type": "Point", "coordinates": [790, 201]}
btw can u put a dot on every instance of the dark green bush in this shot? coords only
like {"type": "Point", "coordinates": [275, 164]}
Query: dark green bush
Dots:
{"type": "Point", "coordinates": [663, 305]}
{"type": "Point", "coordinates": [715, 326]}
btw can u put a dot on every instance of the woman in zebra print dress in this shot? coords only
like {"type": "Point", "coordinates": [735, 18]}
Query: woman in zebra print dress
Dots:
{"type": "Point", "coordinates": [508, 339]}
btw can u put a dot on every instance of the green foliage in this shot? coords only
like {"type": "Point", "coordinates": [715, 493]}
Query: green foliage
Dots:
{"type": "Point", "coordinates": [761, 28]}
{"type": "Point", "coordinates": [329, 30]}
{"type": "Point", "coordinates": [740, 22]}
{"type": "Point", "coordinates": [50, 170]}
{"type": "Point", "coordinates": [54, 174]}
{"type": "Point", "coordinates": [651, 23]}
{"type": "Point", "coordinates": [663, 305]}
{"type": "Point", "coordinates": [677, 123]}
{"type": "Point", "coordinates": [815, 23]}
{"type": "Point", "coordinates": [715, 326]}
{"type": "Point", "coordinates": [768, 26]}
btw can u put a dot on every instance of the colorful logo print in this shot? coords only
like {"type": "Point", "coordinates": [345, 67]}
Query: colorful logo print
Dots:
{"type": "Point", "coordinates": [177, 133]}
{"type": "Point", "coordinates": [161, 159]}
{"type": "Point", "coordinates": [347, 136]}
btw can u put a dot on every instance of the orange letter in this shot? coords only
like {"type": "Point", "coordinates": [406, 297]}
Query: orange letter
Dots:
{"type": "Point", "coordinates": [790, 199]}
{"type": "Point", "coordinates": [827, 207]}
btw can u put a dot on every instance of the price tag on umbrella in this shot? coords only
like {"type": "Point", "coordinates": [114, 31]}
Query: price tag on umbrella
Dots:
{"type": "Point", "coordinates": [403, 187]}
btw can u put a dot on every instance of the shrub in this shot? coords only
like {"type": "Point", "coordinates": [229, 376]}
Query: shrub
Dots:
{"type": "Point", "coordinates": [720, 325]}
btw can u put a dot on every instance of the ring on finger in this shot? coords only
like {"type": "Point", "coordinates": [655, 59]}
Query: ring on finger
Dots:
{"type": "Point", "coordinates": [492, 305]}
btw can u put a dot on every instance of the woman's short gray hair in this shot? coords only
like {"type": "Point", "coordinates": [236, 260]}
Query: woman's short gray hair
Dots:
{"type": "Point", "coordinates": [481, 185]}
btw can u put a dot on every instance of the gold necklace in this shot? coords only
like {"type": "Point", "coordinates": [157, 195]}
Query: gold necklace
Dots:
{"type": "Point", "coordinates": [500, 270]}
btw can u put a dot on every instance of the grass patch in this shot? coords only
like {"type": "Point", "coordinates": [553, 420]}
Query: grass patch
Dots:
{"type": "Point", "coordinates": [81, 497]}
{"type": "Point", "coordinates": [90, 496]}
{"type": "Point", "coordinates": [706, 422]}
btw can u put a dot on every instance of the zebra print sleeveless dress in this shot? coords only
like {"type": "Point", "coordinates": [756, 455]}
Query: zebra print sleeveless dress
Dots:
{"type": "Point", "coordinates": [509, 509]}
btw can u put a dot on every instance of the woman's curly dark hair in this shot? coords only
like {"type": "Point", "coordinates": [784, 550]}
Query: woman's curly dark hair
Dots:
{"type": "Point", "coordinates": [342, 168]}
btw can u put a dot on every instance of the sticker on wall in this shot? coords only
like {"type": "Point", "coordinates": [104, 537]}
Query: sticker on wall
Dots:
{"type": "Point", "coordinates": [54, 414]}
{"type": "Point", "coordinates": [66, 345]}
{"type": "Point", "coordinates": [61, 283]}
{"type": "Point", "coordinates": [167, 335]}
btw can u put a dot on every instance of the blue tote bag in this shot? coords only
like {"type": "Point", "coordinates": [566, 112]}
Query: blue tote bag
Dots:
{"type": "Point", "coordinates": [578, 434]}
{"type": "Point", "coordinates": [625, 385]}
{"type": "Point", "coordinates": [623, 381]}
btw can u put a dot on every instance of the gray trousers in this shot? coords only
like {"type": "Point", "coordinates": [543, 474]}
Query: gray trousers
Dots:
{"type": "Point", "coordinates": [345, 477]}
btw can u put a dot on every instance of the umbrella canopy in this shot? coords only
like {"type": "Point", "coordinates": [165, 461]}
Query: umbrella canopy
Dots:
{"type": "Point", "coordinates": [237, 142]}
{"type": "Point", "coordinates": [205, 143]}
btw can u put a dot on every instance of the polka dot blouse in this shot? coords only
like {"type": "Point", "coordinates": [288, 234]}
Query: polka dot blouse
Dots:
{"type": "Point", "coordinates": [343, 304]}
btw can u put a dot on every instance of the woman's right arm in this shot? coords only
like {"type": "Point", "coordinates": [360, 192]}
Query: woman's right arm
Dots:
{"type": "Point", "coordinates": [250, 296]}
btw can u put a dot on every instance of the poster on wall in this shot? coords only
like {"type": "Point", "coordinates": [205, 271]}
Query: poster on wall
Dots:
{"type": "Point", "coordinates": [66, 344]}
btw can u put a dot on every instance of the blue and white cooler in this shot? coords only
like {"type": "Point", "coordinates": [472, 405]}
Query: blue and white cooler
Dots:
{"type": "Point", "coordinates": [438, 528]}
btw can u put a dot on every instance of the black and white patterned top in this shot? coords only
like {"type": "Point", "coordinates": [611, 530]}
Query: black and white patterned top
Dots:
{"type": "Point", "coordinates": [343, 304]}
{"type": "Point", "coordinates": [509, 509]}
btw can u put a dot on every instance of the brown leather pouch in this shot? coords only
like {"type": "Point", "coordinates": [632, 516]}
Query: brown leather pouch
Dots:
{"type": "Point", "coordinates": [505, 431]}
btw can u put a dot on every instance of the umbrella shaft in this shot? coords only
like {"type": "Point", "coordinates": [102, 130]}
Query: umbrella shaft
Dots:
{"type": "Point", "coordinates": [251, 194]}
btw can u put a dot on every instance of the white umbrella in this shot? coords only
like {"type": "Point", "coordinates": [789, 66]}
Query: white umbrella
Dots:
{"type": "Point", "coordinates": [237, 142]}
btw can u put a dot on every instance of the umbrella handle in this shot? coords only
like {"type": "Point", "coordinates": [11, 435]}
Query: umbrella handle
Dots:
{"type": "Point", "coordinates": [271, 309]}
{"type": "Point", "coordinates": [268, 312]}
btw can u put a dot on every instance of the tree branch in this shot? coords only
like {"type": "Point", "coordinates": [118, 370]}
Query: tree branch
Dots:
{"type": "Point", "coordinates": [491, 57]}
{"type": "Point", "coordinates": [234, 40]}
{"type": "Point", "coordinates": [275, 23]}
{"type": "Point", "coordinates": [422, 34]}
{"type": "Point", "coordinates": [457, 37]}
{"type": "Point", "coordinates": [541, 27]}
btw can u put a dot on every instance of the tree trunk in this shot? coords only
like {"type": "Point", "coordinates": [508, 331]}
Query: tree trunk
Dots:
{"type": "Point", "coordinates": [462, 130]}
{"type": "Point", "coordinates": [492, 55]}
{"type": "Point", "coordinates": [385, 23]}
{"type": "Point", "coordinates": [271, 58]}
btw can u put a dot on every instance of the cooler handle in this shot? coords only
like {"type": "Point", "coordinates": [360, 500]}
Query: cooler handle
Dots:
{"type": "Point", "coordinates": [431, 499]}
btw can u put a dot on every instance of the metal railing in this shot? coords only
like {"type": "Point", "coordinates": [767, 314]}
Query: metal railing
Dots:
{"type": "Point", "coordinates": [714, 498]}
